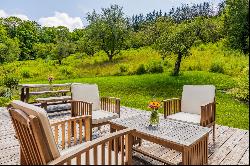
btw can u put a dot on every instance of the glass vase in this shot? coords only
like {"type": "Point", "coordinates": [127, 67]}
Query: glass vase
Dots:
{"type": "Point", "coordinates": [154, 118]}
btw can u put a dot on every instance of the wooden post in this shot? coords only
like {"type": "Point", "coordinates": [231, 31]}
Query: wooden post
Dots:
{"type": "Point", "coordinates": [27, 95]}
{"type": "Point", "coordinates": [88, 129]}
{"type": "Point", "coordinates": [22, 94]}
{"type": "Point", "coordinates": [129, 142]}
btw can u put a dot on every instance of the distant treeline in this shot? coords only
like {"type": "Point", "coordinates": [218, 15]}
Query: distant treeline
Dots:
{"type": "Point", "coordinates": [111, 31]}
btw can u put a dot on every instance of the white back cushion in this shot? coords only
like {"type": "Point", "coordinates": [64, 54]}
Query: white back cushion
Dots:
{"type": "Point", "coordinates": [195, 96]}
{"type": "Point", "coordinates": [88, 93]}
{"type": "Point", "coordinates": [41, 114]}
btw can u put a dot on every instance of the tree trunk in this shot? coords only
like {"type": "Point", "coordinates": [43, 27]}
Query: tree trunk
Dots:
{"type": "Point", "coordinates": [110, 57]}
{"type": "Point", "coordinates": [177, 65]}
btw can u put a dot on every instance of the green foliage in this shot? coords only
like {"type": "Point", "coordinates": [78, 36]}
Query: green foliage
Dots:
{"type": "Point", "coordinates": [123, 68]}
{"type": "Point", "coordinates": [108, 29]}
{"type": "Point", "coordinates": [43, 50]}
{"type": "Point", "coordinates": [236, 24]}
{"type": "Point", "coordinates": [9, 48]}
{"type": "Point", "coordinates": [28, 34]}
{"type": "Point", "coordinates": [155, 67]}
{"type": "Point", "coordinates": [242, 91]}
{"type": "Point", "coordinates": [4, 101]}
{"type": "Point", "coordinates": [10, 82]}
{"type": "Point", "coordinates": [25, 73]}
{"type": "Point", "coordinates": [141, 69]}
{"type": "Point", "coordinates": [216, 68]}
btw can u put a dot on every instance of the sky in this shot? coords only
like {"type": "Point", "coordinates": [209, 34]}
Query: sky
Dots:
{"type": "Point", "coordinates": [72, 13]}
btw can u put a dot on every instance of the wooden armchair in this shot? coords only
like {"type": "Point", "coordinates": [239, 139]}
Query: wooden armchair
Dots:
{"type": "Point", "coordinates": [38, 146]}
{"type": "Point", "coordinates": [197, 106]}
{"type": "Point", "coordinates": [86, 101]}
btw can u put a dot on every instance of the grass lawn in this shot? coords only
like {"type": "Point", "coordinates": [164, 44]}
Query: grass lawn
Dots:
{"type": "Point", "coordinates": [136, 91]}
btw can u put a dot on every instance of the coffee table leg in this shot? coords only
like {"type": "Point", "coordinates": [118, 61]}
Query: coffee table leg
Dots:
{"type": "Point", "coordinates": [197, 154]}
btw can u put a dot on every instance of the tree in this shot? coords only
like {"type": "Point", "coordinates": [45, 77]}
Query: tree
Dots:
{"type": "Point", "coordinates": [43, 50]}
{"type": "Point", "coordinates": [9, 48]}
{"type": "Point", "coordinates": [108, 29]}
{"type": "Point", "coordinates": [178, 41]}
{"type": "Point", "coordinates": [47, 35]}
{"type": "Point", "coordinates": [11, 24]}
{"type": "Point", "coordinates": [236, 23]}
{"type": "Point", "coordinates": [63, 46]}
{"type": "Point", "coordinates": [27, 33]}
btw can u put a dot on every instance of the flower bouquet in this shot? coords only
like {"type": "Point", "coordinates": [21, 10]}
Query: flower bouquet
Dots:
{"type": "Point", "coordinates": [154, 117]}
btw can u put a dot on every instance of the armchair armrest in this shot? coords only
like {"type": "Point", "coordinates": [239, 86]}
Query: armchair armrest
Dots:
{"type": "Point", "coordinates": [115, 139]}
{"type": "Point", "coordinates": [79, 108]}
{"type": "Point", "coordinates": [110, 104]}
{"type": "Point", "coordinates": [75, 124]}
{"type": "Point", "coordinates": [171, 106]}
{"type": "Point", "coordinates": [208, 114]}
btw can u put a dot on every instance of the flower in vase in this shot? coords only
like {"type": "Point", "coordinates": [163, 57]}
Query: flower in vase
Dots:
{"type": "Point", "coordinates": [155, 105]}
{"type": "Point", "coordinates": [154, 117]}
{"type": "Point", "coordinates": [50, 79]}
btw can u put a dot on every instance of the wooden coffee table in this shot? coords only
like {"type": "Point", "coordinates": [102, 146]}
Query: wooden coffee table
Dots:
{"type": "Point", "coordinates": [191, 140]}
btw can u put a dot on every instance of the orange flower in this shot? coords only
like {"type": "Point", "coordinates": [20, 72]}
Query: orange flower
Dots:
{"type": "Point", "coordinates": [154, 105]}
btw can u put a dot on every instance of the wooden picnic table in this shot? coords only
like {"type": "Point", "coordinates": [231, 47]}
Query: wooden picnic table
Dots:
{"type": "Point", "coordinates": [191, 140]}
{"type": "Point", "coordinates": [26, 93]}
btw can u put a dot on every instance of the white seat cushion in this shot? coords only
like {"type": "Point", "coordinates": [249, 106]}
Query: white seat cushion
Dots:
{"type": "Point", "coordinates": [43, 117]}
{"type": "Point", "coordinates": [91, 156]}
{"type": "Point", "coordinates": [101, 116]}
{"type": "Point", "coordinates": [186, 117]}
{"type": "Point", "coordinates": [195, 96]}
{"type": "Point", "coordinates": [88, 93]}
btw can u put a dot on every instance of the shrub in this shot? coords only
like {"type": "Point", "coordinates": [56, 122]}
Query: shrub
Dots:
{"type": "Point", "coordinates": [123, 68]}
{"type": "Point", "coordinates": [141, 70]}
{"type": "Point", "coordinates": [155, 67]}
{"type": "Point", "coordinates": [242, 91]}
{"type": "Point", "coordinates": [4, 101]}
{"type": "Point", "coordinates": [67, 71]}
{"type": "Point", "coordinates": [2, 91]}
{"type": "Point", "coordinates": [10, 82]}
{"type": "Point", "coordinates": [216, 68]}
{"type": "Point", "coordinates": [25, 74]}
{"type": "Point", "coordinates": [167, 64]}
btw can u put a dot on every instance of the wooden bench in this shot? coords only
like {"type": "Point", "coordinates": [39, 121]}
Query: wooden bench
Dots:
{"type": "Point", "coordinates": [26, 93]}
{"type": "Point", "coordinates": [52, 100]}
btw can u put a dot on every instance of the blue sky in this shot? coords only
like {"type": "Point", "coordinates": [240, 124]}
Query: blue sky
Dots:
{"type": "Point", "coordinates": [76, 10]}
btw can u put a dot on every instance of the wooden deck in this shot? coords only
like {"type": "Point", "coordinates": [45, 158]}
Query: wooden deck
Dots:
{"type": "Point", "coordinates": [230, 148]}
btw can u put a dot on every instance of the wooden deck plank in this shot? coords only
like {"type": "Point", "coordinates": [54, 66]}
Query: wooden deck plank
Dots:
{"type": "Point", "coordinates": [231, 145]}
{"type": "Point", "coordinates": [238, 151]}
{"type": "Point", "coordinates": [245, 158]}
{"type": "Point", "coordinates": [219, 155]}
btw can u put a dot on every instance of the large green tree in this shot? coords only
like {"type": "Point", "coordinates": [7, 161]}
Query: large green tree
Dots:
{"type": "Point", "coordinates": [181, 37]}
{"type": "Point", "coordinates": [108, 29]}
{"type": "Point", "coordinates": [9, 48]}
{"type": "Point", "coordinates": [27, 33]}
{"type": "Point", "coordinates": [236, 24]}
{"type": "Point", "coordinates": [63, 47]}
{"type": "Point", "coordinates": [178, 42]}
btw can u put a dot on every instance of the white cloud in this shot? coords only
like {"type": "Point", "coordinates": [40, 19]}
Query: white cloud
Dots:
{"type": "Point", "coordinates": [21, 16]}
{"type": "Point", "coordinates": [61, 19]}
{"type": "Point", "coordinates": [3, 14]}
